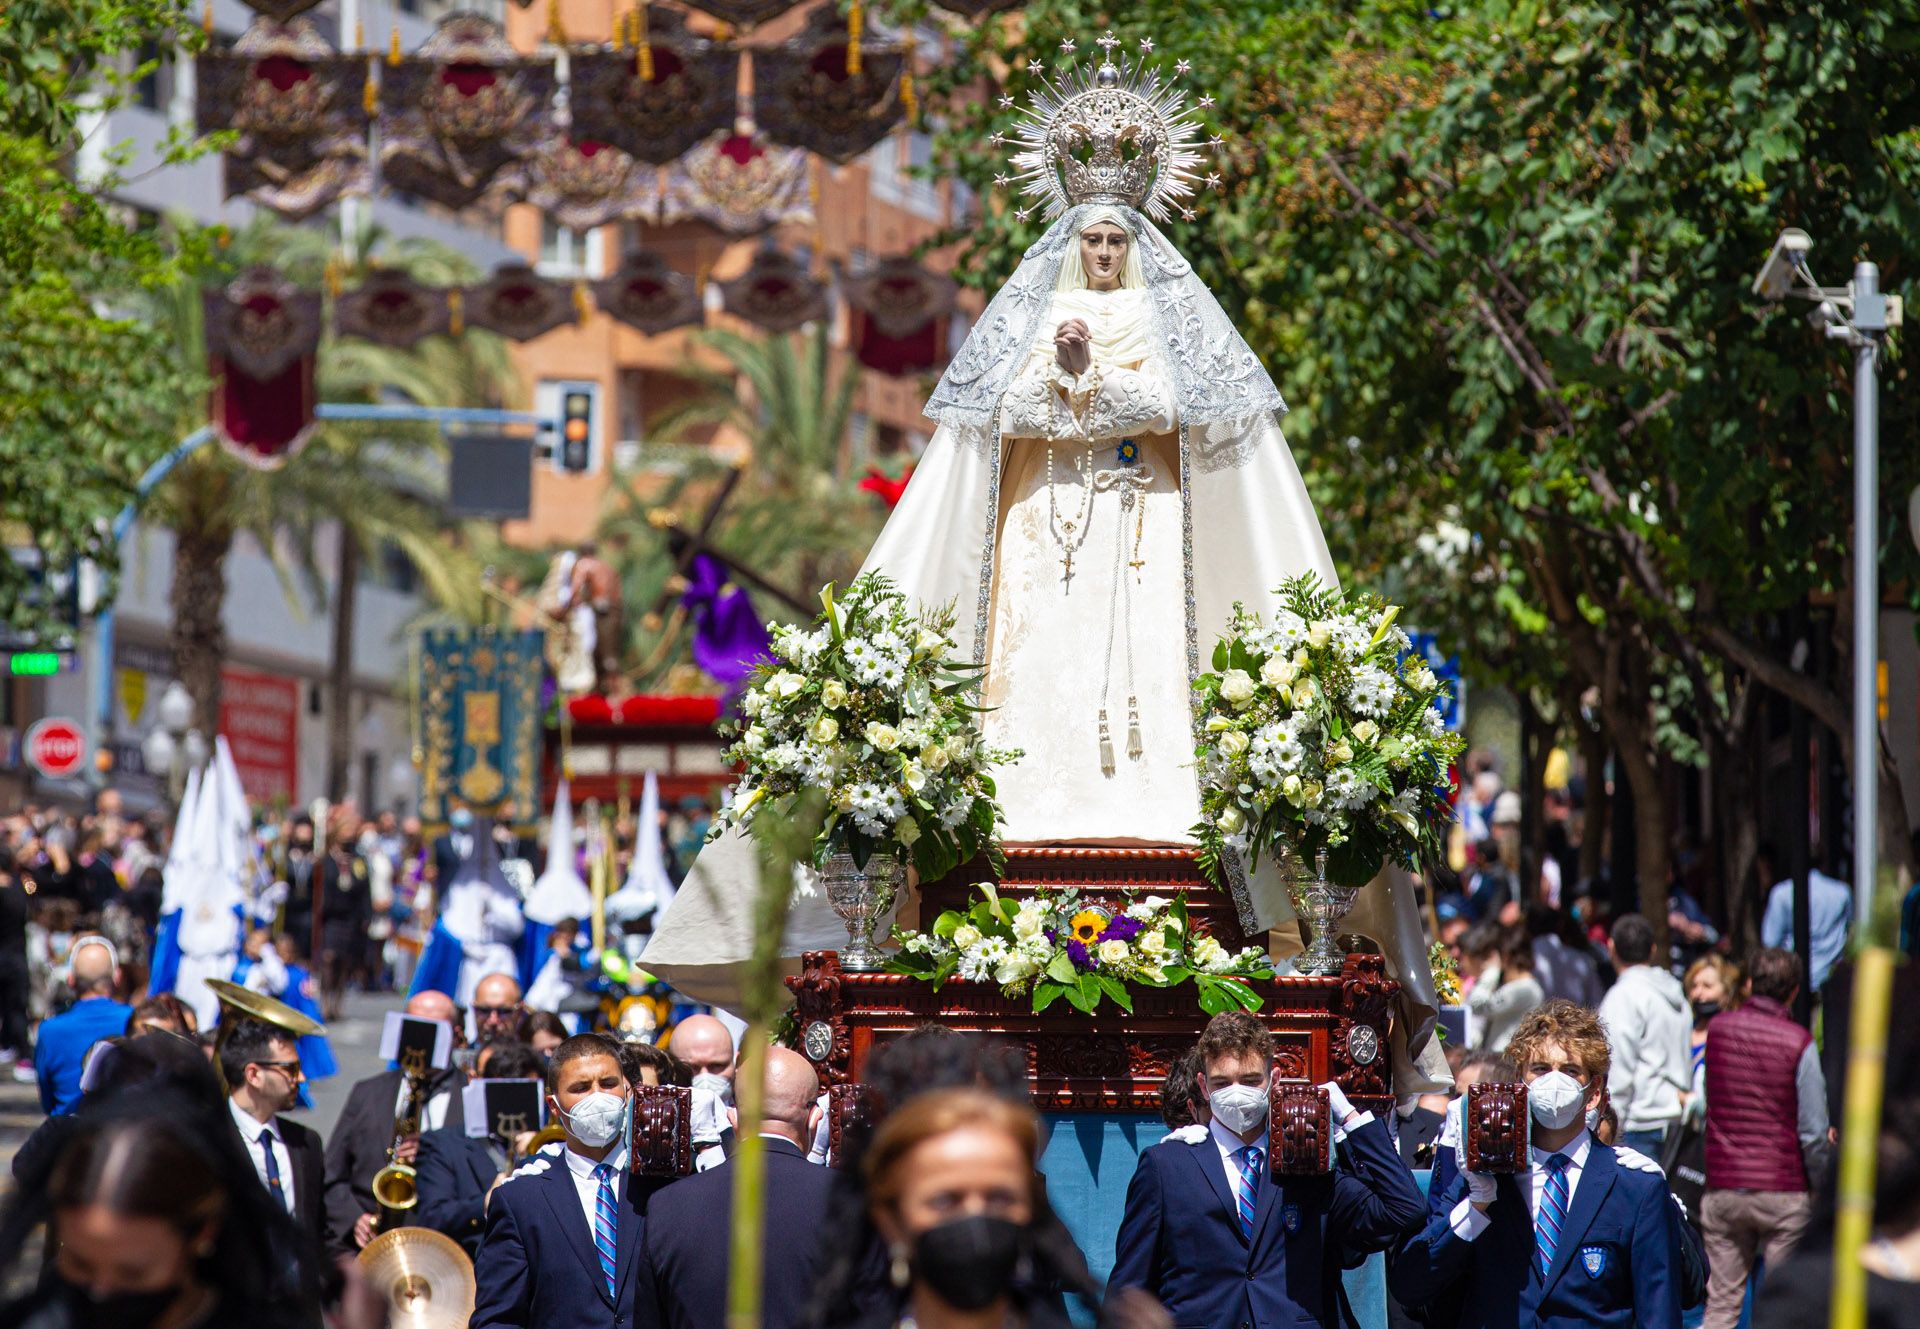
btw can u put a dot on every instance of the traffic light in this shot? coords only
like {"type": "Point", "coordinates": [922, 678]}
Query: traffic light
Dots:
{"type": "Point", "coordinates": [576, 428]}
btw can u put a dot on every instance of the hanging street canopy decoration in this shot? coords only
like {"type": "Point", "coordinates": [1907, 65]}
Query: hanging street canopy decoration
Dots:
{"type": "Point", "coordinates": [776, 293]}
{"type": "Point", "coordinates": [744, 13]}
{"type": "Point", "coordinates": [976, 8]}
{"type": "Point", "coordinates": [299, 110]}
{"type": "Point", "coordinates": [582, 183]}
{"type": "Point", "coordinates": [690, 92]}
{"type": "Point", "coordinates": [478, 694]}
{"type": "Point", "coordinates": [461, 108]}
{"type": "Point", "coordinates": [280, 9]}
{"type": "Point", "coordinates": [739, 185]}
{"type": "Point", "coordinates": [813, 93]}
{"type": "Point", "coordinates": [648, 295]}
{"type": "Point", "coordinates": [518, 303]}
{"type": "Point", "coordinates": [393, 309]}
{"type": "Point", "coordinates": [901, 310]}
{"type": "Point", "coordinates": [263, 341]}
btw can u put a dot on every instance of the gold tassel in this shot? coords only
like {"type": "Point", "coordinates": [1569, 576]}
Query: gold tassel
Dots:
{"type": "Point", "coordinates": [334, 276]}
{"type": "Point", "coordinates": [206, 19]}
{"type": "Point", "coordinates": [393, 48]}
{"type": "Point", "coordinates": [908, 101]}
{"type": "Point", "coordinates": [582, 304]}
{"type": "Point", "coordinates": [556, 31]}
{"type": "Point", "coordinates": [370, 95]}
{"type": "Point", "coordinates": [813, 205]}
{"type": "Point", "coordinates": [643, 37]}
{"type": "Point", "coordinates": [359, 35]}
{"type": "Point", "coordinates": [856, 19]}
{"type": "Point", "coordinates": [456, 311]}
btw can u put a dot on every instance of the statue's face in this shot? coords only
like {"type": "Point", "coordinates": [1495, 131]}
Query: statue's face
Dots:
{"type": "Point", "coordinates": [1103, 255]}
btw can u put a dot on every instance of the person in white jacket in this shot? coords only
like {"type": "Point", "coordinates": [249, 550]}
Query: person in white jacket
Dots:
{"type": "Point", "coordinates": [1650, 1028]}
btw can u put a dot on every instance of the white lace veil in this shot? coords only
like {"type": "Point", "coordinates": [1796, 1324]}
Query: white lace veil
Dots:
{"type": "Point", "coordinates": [1216, 376]}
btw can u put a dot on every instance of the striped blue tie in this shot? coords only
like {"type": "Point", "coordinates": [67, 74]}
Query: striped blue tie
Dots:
{"type": "Point", "coordinates": [1247, 1186]}
{"type": "Point", "coordinates": [1552, 1219]}
{"type": "Point", "coordinates": [606, 1224]}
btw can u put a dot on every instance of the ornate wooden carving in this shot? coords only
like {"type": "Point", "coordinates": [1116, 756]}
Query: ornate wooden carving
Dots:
{"type": "Point", "coordinates": [1300, 1129]}
{"type": "Point", "coordinates": [850, 1107]}
{"type": "Point", "coordinates": [662, 1131]}
{"type": "Point", "coordinates": [1358, 1051]}
{"type": "Point", "coordinates": [1497, 1128]}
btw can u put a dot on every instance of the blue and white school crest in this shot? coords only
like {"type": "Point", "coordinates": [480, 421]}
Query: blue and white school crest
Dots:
{"type": "Point", "coordinates": [1290, 1216]}
{"type": "Point", "coordinates": [1594, 1260]}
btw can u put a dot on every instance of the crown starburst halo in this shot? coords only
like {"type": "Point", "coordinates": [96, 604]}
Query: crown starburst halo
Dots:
{"type": "Point", "coordinates": [1115, 133]}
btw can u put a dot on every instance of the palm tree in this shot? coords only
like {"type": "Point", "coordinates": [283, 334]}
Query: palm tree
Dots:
{"type": "Point", "coordinates": [377, 484]}
{"type": "Point", "coordinates": [796, 517]}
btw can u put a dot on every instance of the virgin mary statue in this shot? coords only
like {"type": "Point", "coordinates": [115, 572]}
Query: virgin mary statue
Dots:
{"type": "Point", "coordinates": [1106, 480]}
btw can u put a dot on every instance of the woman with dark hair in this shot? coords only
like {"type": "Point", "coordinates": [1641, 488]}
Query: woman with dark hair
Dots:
{"type": "Point", "coordinates": [543, 1030]}
{"type": "Point", "coordinates": [949, 1188]}
{"type": "Point", "coordinates": [152, 1226]}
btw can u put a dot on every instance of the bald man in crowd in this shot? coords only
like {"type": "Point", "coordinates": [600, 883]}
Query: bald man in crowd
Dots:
{"type": "Point", "coordinates": [60, 1053]}
{"type": "Point", "coordinates": [688, 1223]}
{"type": "Point", "coordinates": [705, 1046]}
{"type": "Point", "coordinates": [358, 1146]}
{"type": "Point", "coordinates": [497, 1008]}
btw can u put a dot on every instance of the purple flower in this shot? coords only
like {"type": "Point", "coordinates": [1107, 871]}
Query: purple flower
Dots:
{"type": "Point", "coordinates": [1077, 953]}
{"type": "Point", "coordinates": [1121, 928]}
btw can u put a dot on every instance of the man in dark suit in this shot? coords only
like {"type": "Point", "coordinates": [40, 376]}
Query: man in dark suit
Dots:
{"type": "Point", "coordinates": [358, 1147]}
{"type": "Point", "coordinates": [1220, 1242]}
{"type": "Point", "coordinates": [689, 1224]}
{"type": "Point", "coordinates": [456, 1171]}
{"type": "Point", "coordinates": [564, 1233]}
{"type": "Point", "coordinates": [1579, 1239]}
{"type": "Point", "coordinates": [262, 1068]}
{"type": "Point", "coordinates": [454, 849]}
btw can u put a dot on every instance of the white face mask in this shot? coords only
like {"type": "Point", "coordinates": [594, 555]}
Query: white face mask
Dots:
{"type": "Point", "coordinates": [719, 1085]}
{"type": "Point", "coordinates": [595, 1120]}
{"type": "Point", "coordinates": [1555, 1100]}
{"type": "Point", "coordinates": [1240, 1107]}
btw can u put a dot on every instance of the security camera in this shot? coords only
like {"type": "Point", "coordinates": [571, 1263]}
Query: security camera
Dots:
{"type": "Point", "coordinates": [1776, 276]}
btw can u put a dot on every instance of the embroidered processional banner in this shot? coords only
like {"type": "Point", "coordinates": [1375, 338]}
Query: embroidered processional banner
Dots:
{"type": "Point", "coordinates": [477, 721]}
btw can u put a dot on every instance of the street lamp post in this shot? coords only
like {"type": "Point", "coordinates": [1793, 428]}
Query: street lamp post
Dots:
{"type": "Point", "coordinates": [173, 747]}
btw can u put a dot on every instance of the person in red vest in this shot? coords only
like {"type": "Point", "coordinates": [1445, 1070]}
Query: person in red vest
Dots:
{"type": "Point", "coordinates": [1767, 1138]}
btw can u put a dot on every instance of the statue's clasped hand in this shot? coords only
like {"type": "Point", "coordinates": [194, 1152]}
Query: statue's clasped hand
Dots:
{"type": "Point", "coordinates": [1073, 346]}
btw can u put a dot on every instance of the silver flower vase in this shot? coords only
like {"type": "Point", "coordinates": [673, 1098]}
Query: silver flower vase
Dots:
{"type": "Point", "coordinates": [862, 899]}
{"type": "Point", "coordinates": [1321, 905]}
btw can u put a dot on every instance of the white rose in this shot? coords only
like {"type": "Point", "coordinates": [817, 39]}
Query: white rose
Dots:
{"type": "Point", "coordinates": [1291, 788]}
{"type": "Point", "coordinates": [786, 684]}
{"type": "Point", "coordinates": [1236, 687]}
{"type": "Point", "coordinates": [906, 831]}
{"type": "Point", "coordinates": [1233, 742]}
{"type": "Point", "coordinates": [1319, 634]}
{"type": "Point", "coordinates": [1208, 953]}
{"type": "Point", "coordinates": [883, 736]}
{"type": "Point", "coordinates": [1304, 694]}
{"type": "Point", "coordinates": [833, 694]}
{"type": "Point", "coordinates": [1016, 968]}
{"type": "Point", "coordinates": [958, 747]}
{"type": "Point", "coordinates": [1366, 731]}
{"type": "Point", "coordinates": [824, 730]}
{"type": "Point", "coordinates": [755, 739]}
{"type": "Point", "coordinates": [1340, 753]}
{"type": "Point", "coordinates": [1113, 952]}
{"type": "Point", "coordinates": [966, 935]}
{"type": "Point", "coordinates": [1028, 923]}
{"type": "Point", "coordinates": [1423, 678]}
{"type": "Point", "coordinates": [1276, 672]}
{"type": "Point", "coordinates": [928, 642]}
{"type": "Point", "coordinates": [934, 758]}
{"type": "Point", "coordinates": [1230, 819]}
{"type": "Point", "coordinates": [1311, 793]}
{"type": "Point", "coordinates": [1153, 943]}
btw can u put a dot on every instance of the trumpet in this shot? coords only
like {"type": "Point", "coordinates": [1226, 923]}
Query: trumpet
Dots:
{"type": "Point", "coordinates": [551, 1133]}
{"type": "Point", "coordinates": [396, 1188]}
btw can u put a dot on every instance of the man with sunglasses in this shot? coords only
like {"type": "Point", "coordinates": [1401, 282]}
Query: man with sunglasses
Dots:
{"type": "Point", "coordinates": [497, 1009]}
{"type": "Point", "coordinates": [262, 1068]}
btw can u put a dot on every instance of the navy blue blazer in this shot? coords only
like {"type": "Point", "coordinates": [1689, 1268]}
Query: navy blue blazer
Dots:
{"type": "Point", "coordinates": [1180, 1236]}
{"type": "Point", "coordinates": [1617, 1264]}
{"type": "Point", "coordinates": [689, 1226]}
{"type": "Point", "coordinates": [537, 1267]}
{"type": "Point", "coordinates": [452, 1175]}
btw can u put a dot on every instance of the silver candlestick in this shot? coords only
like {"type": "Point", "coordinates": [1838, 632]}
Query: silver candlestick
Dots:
{"type": "Point", "coordinates": [862, 898]}
{"type": "Point", "coordinates": [1321, 905]}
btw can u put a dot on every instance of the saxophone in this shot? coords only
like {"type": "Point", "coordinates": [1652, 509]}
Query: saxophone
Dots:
{"type": "Point", "coordinates": [396, 1186]}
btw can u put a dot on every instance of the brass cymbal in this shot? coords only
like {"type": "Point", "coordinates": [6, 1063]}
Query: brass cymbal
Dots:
{"type": "Point", "coordinates": [259, 1006]}
{"type": "Point", "coordinates": [423, 1276]}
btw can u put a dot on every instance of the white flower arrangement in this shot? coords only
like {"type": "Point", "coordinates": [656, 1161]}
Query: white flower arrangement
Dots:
{"type": "Point", "coordinates": [1056, 944]}
{"type": "Point", "coordinates": [1320, 732]}
{"type": "Point", "coordinates": [869, 704]}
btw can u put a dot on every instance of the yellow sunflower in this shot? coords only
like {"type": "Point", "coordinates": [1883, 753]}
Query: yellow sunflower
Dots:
{"type": "Point", "coordinates": [1087, 925]}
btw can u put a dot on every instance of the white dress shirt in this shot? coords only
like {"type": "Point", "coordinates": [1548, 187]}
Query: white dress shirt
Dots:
{"type": "Point", "coordinates": [434, 1115]}
{"type": "Point", "coordinates": [250, 1129]}
{"type": "Point", "coordinates": [1469, 1222]}
{"type": "Point", "coordinates": [587, 1186]}
{"type": "Point", "coordinates": [1230, 1144]}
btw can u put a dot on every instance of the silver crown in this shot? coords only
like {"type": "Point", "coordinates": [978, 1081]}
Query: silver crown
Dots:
{"type": "Point", "coordinates": [1112, 134]}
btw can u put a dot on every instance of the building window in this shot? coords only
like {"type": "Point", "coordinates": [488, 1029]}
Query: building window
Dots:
{"type": "Point", "coordinates": [150, 63]}
{"type": "Point", "coordinates": [569, 253]}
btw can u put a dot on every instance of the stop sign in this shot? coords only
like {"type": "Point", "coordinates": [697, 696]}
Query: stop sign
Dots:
{"type": "Point", "coordinates": [56, 747]}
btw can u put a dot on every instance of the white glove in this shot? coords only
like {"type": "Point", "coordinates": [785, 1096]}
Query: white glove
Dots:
{"type": "Point", "coordinates": [709, 1116]}
{"type": "Point", "coordinates": [1629, 1157]}
{"type": "Point", "coordinates": [1453, 1132]}
{"type": "Point", "coordinates": [1186, 1135]}
{"type": "Point", "coordinates": [1481, 1188]}
{"type": "Point", "coordinates": [1337, 1103]}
